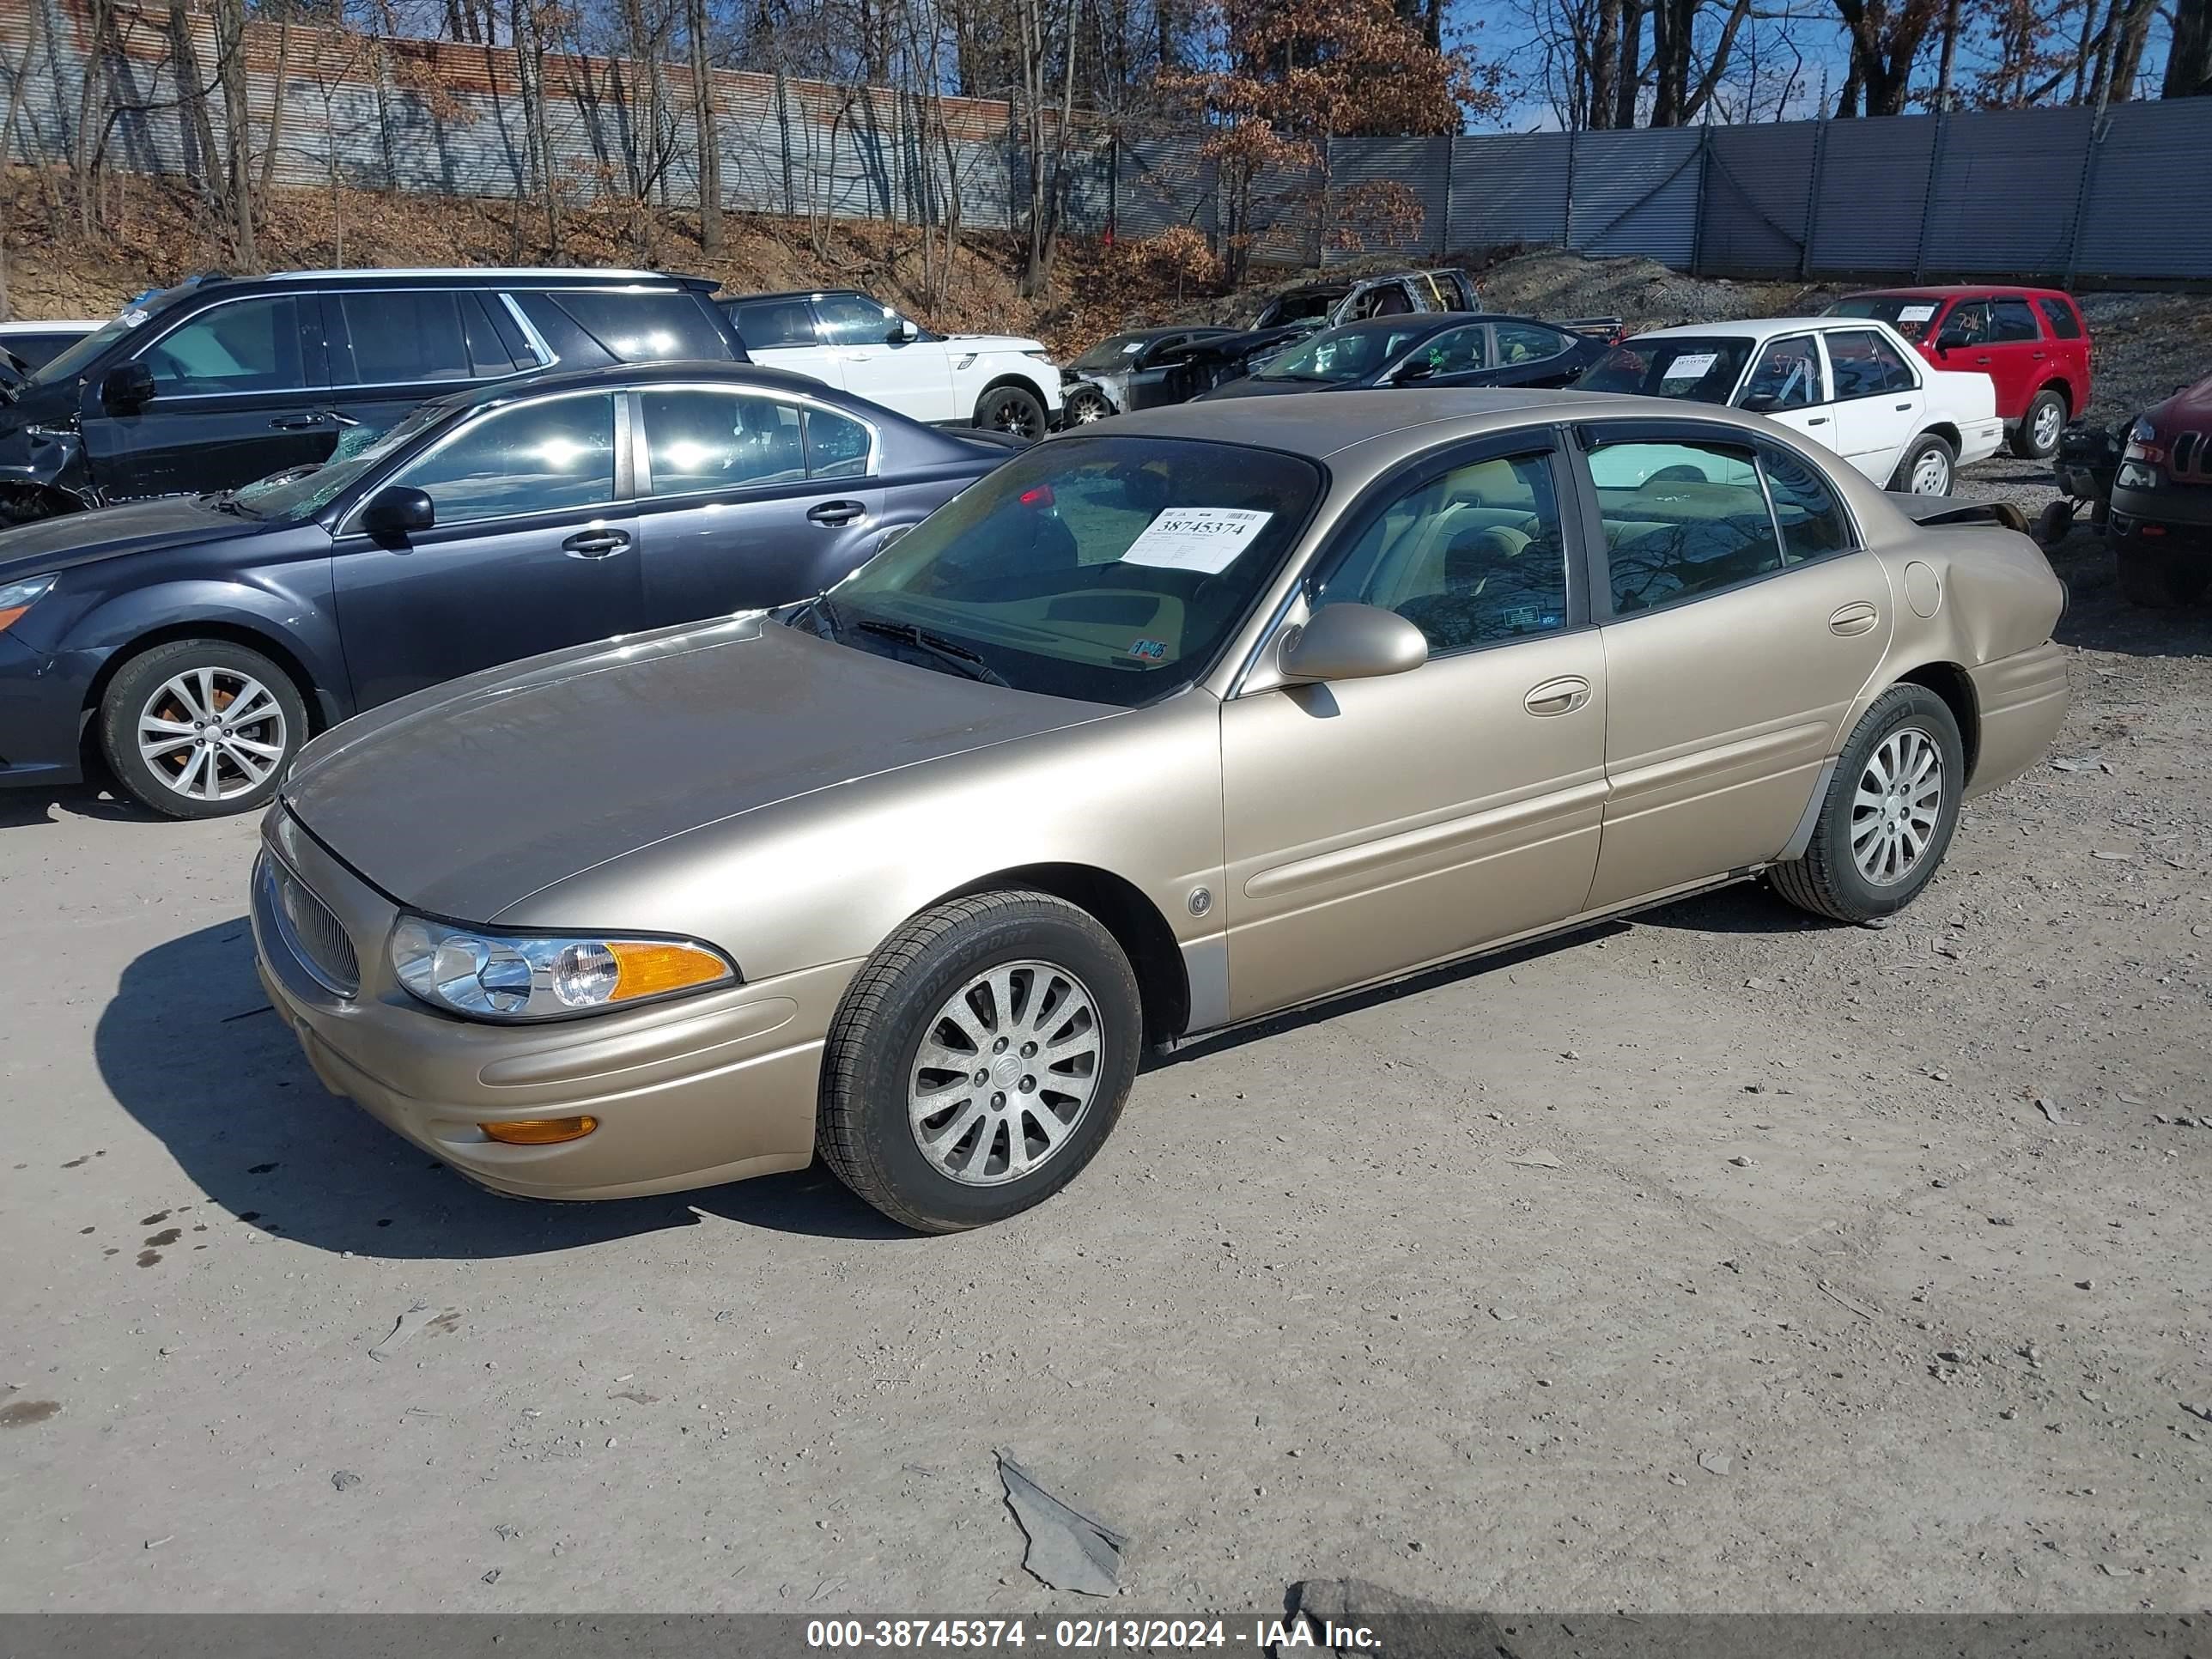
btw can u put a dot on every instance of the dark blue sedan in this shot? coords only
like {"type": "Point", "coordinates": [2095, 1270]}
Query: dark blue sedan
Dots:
{"type": "Point", "coordinates": [199, 640]}
{"type": "Point", "coordinates": [1428, 349]}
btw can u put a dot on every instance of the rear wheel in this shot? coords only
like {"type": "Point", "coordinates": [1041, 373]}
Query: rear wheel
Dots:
{"type": "Point", "coordinates": [2157, 578]}
{"type": "Point", "coordinates": [201, 728]}
{"type": "Point", "coordinates": [1892, 804]}
{"type": "Point", "coordinates": [1011, 409]}
{"type": "Point", "coordinates": [1926, 467]}
{"type": "Point", "coordinates": [2036, 438]}
{"type": "Point", "coordinates": [979, 1061]}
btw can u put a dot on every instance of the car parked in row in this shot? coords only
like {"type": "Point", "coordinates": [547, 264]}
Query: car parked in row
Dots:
{"type": "Point", "coordinates": [221, 381]}
{"type": "Point", "coordinates": [2160, 513]}
{"type": "Point", "coordinates": [1124, 373]}
{"type": "Point", "coordinates": [1166, 725]}
{"type": "Point", "coordinates": [850, 340]}
{"type": "Point", "coordinates": [1436, 348]}
{"type": "Point", "coordinates": [197, 642]}
{"type": "Point", "coordinates": [1853, 386]}
{"type": "Point", "coordinates": [25, 346]}
{"type": "Point", "coordinates": [2032, 342]}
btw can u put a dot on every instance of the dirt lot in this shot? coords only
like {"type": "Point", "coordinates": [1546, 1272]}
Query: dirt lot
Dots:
{"type": "Point", "coordinates": [1719, 1262]}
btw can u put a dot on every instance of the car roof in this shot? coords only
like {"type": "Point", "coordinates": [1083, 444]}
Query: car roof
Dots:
{"type": "Point", "coordinates": [757, 376]}
{"type": "Point", "coordinates": [1319, 427]}
{"type": "Point", "coordinates": [1754, 328]}
{"type": "Point", "coordinates": [1959, 291]}
{"type": "Point", "coordinates": [49, 325]}
{"type": "Point", "coordinates": [793, 294]}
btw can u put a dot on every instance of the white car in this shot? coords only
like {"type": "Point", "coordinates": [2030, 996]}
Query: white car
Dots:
{"type": "Point", "coordinates": [850, 340]}
{"type": "Point", "coordinates": [33, 344]}
{"type": "Point", "coordinates": [1850, 384]}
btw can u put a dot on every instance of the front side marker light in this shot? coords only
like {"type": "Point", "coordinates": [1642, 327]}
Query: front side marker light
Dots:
{"type": "Point", "coordinates": [539, 1131]}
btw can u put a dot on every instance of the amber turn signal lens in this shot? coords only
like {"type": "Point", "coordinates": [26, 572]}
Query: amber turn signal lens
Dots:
{"type": "Point", "coordinates": [648, 968]}
{"type": "Point", "coordinates": [539, 1131]}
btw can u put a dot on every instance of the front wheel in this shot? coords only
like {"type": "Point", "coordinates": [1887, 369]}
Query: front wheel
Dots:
{"type": "Point", "coordinates": [1926, 468]}
{"type": "Point", "coordinates": [201, 728]}
{"type": "Point", "coordinates": [979, 1061]}
{"type": "Point", "coordinates": [1088, 407]}
{"type": "Point", "coordinates": [1011, 409]}
{"type": "Point", "coordinates": [1892, 804]}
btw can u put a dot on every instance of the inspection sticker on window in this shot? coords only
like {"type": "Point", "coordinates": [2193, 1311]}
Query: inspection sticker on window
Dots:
{"type": "Point", "coordinates": [1692, 368]}
{"type": "Point", "coordinates": [1915, 313]}
{"type": "Point", "coordinates": [1207, 539]}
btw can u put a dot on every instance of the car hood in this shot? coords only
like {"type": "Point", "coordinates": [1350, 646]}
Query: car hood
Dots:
{"type": "Point", "coordinates": [111, 532]}
{"type": "Point", "coordinates": [2187, 410]}
{"type": "Point", "coordinates": [465, 799]}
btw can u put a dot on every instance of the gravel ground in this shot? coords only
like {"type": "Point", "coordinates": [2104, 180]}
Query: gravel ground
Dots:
{"type": "Point", "coordinates": [1718, 1261]}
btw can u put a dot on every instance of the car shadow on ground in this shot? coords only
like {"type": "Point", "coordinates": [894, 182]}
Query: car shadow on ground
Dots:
{"type": "Point", "coordinates": [189, 1046]}
{"type": "Point", "coordinates": [32, 804]}
{"type": "Point", "coordinates": [2098, 619]}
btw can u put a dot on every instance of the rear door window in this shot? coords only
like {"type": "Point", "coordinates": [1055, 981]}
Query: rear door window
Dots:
{"type": "Point", "coordinates": [1866, 365]}
{"type": "Point", "coordinates": [2011, 322]}
{"type": "Point", "coordinates": [767, 325]}
{"type": "Point", "coordinates": [1682, 518]}
{"type": "Point", "coordinates": [1528, 342]}
{"type": "Point", "coordinates": [404, 337]}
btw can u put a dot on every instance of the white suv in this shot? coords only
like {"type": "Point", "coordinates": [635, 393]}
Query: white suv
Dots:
{"type": "Point", "coordinates": [850, 340]}
{"type": "Point", "coordinates": [1849, 383]}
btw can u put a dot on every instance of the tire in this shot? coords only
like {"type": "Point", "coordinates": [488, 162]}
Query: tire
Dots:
{"type": "Point", "coordinates": [1906, 723]}
{"type": "Point", "coordinates": [191, 684]}
{"type": "Point", "coordinates": [2036, 437]}
{"type": "Point", "coordinates": [1011, 409]}
{"type": "Point", "coordinates": [2054, 524]}
{"type": "Point", "coordinates": [879, 1098]}
{"type": "Point", "coordinates": [2158, 579]}
{"type": "Point", "coordinates": [1928, 460]}
{"type": "Point", "coordinates": [1088, 409]}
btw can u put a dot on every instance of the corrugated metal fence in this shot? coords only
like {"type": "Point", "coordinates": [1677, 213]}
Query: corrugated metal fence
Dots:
{"type": "Point", "coordinates": [2028, 193]}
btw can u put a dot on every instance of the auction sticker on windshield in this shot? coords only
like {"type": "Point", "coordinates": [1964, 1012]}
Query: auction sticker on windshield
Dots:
{"type": "Point", "coordinates": [1915, 313]}
{"type": "Point", "coordinates": [1205, 539]}
{"type": "Point", "coordinates": [1692, 368]}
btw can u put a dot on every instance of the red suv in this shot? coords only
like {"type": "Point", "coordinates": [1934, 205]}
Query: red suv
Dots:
{"type": "Point", "coordinates": [2031, 341]}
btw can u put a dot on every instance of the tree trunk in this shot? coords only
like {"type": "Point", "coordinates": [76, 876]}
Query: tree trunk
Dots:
{"type": "Point", "coordinates": [16, 89]}
{"type": "Point", "coordinates": [2127, 55]}
{"type": "Point", "coordinates": [705, 134]}
{"type": "Point", "coordinates": [1943, 93]}
{"type": "Point", "coordinates": [530, 64]}
{"type": "Point", "coordinates": [1631, 67]}
{"type": "Point", "coordinates": [237, 128]}
{"type": "Point", "coordinates": [193, 101]}
{"type": "Point", "coordinates": [1605, 66]}
{"type": "Point", "coordinates": [2189, 60]}
{"type": "Point", "coordinates": [277, 109]}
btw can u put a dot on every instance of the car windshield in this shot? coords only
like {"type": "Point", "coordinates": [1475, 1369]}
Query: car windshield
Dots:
{"type": "Point", "coordinates": [296, 495]}
{"type": "Point", "coordinates": [1296, 308]}
{"type": "Point", "coordinates": [1908, 315]}
{"type": "Point", "coordinates": [1702, 371]}
{"type": "Point", "coordinates": [67, 365]}
{"type": "Point", "coordinates": [1112, 569]}
{"type": "Point", "coordinates": [1340, 354]}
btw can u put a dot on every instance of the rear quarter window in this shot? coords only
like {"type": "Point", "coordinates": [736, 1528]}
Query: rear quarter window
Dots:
{"type": "Point", "coordinates": [633, 328]}
{"type": "Point", "coordinates": [2059, 314]}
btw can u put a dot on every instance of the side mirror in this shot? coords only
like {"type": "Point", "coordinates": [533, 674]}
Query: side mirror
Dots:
{"type": "Point", "coordinates": [1757, 403]}
{"type": "Point", "coordinates": [903, 330]}
{"type": "Point", "coordinates": [128, 387]}
{"type": "Point", "coordinates": [1352, 642]}
{"type": "Point", "coordinates": [1420, 369]}
{"type": "Point", "coordinates": [395, 511]}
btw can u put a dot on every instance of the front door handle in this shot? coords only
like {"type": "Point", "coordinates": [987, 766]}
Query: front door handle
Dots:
{"type": "Point", "coordinates": [306, 423]}
{"type": "Point", "coordinates": [1816, 419]}
{"type": "Point", "coordinates": [1901, 408]}
{"type": "Point", "coordinates": [1560, 696]}
{"type": "Point", "coordinates": [1855, 619]}
{"type": "Point", "coordinates": [594, 543]}
{"type": "Point", "coordinates": [836, 512]}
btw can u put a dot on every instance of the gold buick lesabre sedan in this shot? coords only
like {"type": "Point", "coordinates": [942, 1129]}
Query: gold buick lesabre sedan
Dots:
{"type": "Point", "coordinates": [1177, 722]}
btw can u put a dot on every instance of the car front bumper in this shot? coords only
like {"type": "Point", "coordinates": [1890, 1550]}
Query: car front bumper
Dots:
{"type": "Point", "coordinates": [41, 710]}
{"type": "Point", "coordinates": [688, 1093]}
{"type": "Point", "coordinates": [2178, 514]}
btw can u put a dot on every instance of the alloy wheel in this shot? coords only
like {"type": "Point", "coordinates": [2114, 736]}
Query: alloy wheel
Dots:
{"type": "Point", "coordinates": [1004, 1071]}
{"type": "Point", "coordinates": [2049, 418]}
{"type": "Point", "coordinates": [1895, 809]}
{"type": "Point", "coordinates": [1013, 415]}
{"type": "Point", "coordinates": [212, 733]}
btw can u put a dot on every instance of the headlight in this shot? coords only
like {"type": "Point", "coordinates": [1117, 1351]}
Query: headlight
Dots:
{"type": "Point", "coordinates": [1041, 357]}
{"type": "Point", "coordinates": [2133, 475]}
{"type": "Point", "coordinates": [510, 976]}
{"type": "Point", "coordinates": [16, 598]}
{"type": "Point", "coordinates": [2142, 432]}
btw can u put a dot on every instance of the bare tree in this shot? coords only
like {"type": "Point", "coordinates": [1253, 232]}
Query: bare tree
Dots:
{"type": "Point", "coordinates": [706, 135]}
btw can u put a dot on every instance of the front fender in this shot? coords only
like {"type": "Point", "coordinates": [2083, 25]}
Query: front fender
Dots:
{"type": "Point", "coordinates": [293, 626]}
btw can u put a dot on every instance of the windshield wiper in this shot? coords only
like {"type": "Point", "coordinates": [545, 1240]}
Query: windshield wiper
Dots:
{"type": "Point", "coordinates": [936, 645]}
{"type": "Point", "coordinates": [226, 501]}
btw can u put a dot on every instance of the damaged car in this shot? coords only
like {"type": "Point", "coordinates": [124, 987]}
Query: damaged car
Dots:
{"type": "Point", "coordinates": [221, 381]}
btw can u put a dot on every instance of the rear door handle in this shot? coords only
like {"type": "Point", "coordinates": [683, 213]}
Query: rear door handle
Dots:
{"type": "Point", "coordinates": [1901, 408]}
{"type": "Point", "coordinates": [1855, 618]}
{"type": "Point", "coordinates": [594, 543]}
{"type": "Point", "coordinates": [836, 512]}
{"type": "Point", "coordinates": [1560, 696]}
{"type": "Point", "coordinates": [303, 422]}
